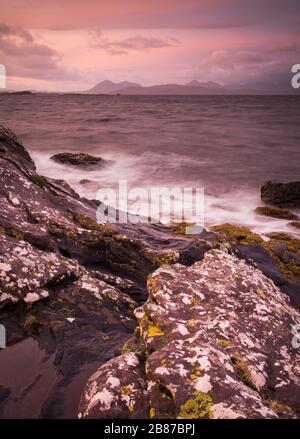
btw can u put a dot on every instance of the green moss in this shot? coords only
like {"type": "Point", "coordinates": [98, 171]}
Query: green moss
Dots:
{"type": "Point", "coordinates": [279, 236]}
{"type": "Point", "coordinates": [237, 234]}
{"type": "Point", "coordinates": [134, 344]}
{"type": "Point", "coordinates": [242, 235]}
{"type": "Point", "coordinates": [224, 343]}
{"type": "Point", "coordinates": [40, 180]}
{"type": "Point", "coordinates": [275, 212]}
{"type": "Point", "coordinates": [61, 230]}
{"type": "Point", "coordinates": [159, 259]}
{"type": "Point", "coordinates": [289, 268]}
{"type": "Point", "coordinates": [179, 229]}
{"type": "Point", "coordinates": [90, 224]}
{"type": "Point", "coordinates": [197, 407]}
{"type": "Point", "coordinates": [295, 224]}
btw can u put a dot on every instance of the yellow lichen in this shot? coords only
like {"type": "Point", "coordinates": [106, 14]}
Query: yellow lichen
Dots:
{"type": "Point", "coordinates": [152, 412]}
{"type": "Point", "coordinates": [196, 373]}
{"type": "Point", "coordinates": [126, 390]}
{"type": "Point", "coordinates": [196, 407]}
{"type": "Point", "coordinates": [224, 342]}
{"type": "Point", "coordinates": [195, 301]}
{"type": "Point", "coordinates": [154, 331]}
{"type": "Point", "coordinates": [190, 323]}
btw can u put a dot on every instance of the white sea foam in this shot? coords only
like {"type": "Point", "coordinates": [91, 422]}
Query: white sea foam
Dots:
{"type": "Point", "coordinates": [235, 207]}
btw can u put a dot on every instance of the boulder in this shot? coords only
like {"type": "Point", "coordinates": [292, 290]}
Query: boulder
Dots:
{"type": "Point", "coordinates": [81, 160]}
{"type": "Point", "coordinates": [275, 212]}
{"type": "Point", "coordinates": [281, 194]}
{"type": "Point", "coordinates": [214, 341]}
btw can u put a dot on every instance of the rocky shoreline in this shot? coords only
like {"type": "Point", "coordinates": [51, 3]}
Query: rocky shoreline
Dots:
{"type": "Point", "coordinates": [174, 326]}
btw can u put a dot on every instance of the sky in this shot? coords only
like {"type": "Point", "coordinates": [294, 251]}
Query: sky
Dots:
{"type": "Point", "coordinates": [70, 45]}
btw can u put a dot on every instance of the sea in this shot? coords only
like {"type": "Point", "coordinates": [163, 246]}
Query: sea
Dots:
{"type": "Point", "coordinates": [227, 145]}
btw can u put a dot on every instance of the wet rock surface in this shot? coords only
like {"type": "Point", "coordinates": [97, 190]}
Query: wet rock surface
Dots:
{"type": "Point", "coordinates": [214, 341]}
{"type": "Point", "coordinates": [275, 212]}
{"type": "Point", "coordinates": [80, 160]}
{"type": "Point", "coordinates": [281, 194]}
{"type": "Point", "coordinates": [67, 281]}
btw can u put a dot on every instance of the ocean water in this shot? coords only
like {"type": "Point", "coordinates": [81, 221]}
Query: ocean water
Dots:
{"type": "Point", "coordinates": [228, 145]}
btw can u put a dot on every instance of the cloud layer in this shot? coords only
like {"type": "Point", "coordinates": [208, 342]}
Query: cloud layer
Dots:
{"type": "Point", "coordinates": [26, 57]}
{"type": "Point", "coordinates": [135, 43]}
{"type": "Point", "coordinates": [57, 44]}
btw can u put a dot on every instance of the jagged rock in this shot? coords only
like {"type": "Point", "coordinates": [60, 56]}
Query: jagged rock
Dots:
{"type": "Point", "coordinates": [67, 281]}
{"type": "Point", "coordinates": [118, 391]}
{"type": "Point", "coordinates": [80, 159]}
{"type": "Point", "coordinates": [26, 273]}
{"type": "Point", "coordinates": [217, 343]}
{"type": "Point", "coordinates": [281, 267]}
{"type": "Point", "coordinates": [281, 194]}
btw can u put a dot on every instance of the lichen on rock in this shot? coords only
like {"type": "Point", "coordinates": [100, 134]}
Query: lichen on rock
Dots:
{"type": "Point", "coordinates": [220, 356]}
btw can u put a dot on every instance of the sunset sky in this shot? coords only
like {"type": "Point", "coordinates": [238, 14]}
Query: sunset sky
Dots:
{"type": "Point", "coordinates": [73, 44]}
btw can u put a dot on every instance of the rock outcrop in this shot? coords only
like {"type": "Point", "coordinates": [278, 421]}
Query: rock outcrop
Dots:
{"type": "Point", "coordinates": [281, 194]}
{"type": "Point", "coordinates": [277, 257]}
{"type": "Point", "coordinates": [66, 280]}
{"type": "Point", "coordinates": [275, 212]}
{"type": "Point", "coordinates": [81, 160]}
{"type": "Point", "coordinates": [214, 341]}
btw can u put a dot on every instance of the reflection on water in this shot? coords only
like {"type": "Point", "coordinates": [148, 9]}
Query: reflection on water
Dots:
{"type": "Point", "coordinates": [28, 373]}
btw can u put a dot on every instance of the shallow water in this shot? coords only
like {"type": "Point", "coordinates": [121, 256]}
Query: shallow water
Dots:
{"type": "Point", "coordinates": [228, 145]}
{"type": "Point", "coordinates": [32, 378]}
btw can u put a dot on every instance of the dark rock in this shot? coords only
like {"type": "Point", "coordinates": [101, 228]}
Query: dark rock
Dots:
{"type": "Point", "coordinates": [4, 393]}
{"type": "Point", "coordinates": [85, 181]}
{"type": "Point", "coordinates": [276, 257]}
{"type": "Point", "coordinates": [80, 159]}
{"type": "Point", "coordinates": [275, 212]}
{"type": "Point", "coordinates": [281, 194]}
{"type": "Point", "coordinates": [260, 257]}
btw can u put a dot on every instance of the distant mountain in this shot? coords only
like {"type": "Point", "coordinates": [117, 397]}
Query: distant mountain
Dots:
{"type": "Point", "coordinates": [108, 87]}
{"type": "Point", "coordinates": [191, 88]}
{"type": "Point", "coordinates": [210, 85]}
{"type": "Point", "coordinates": [171, 89]}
